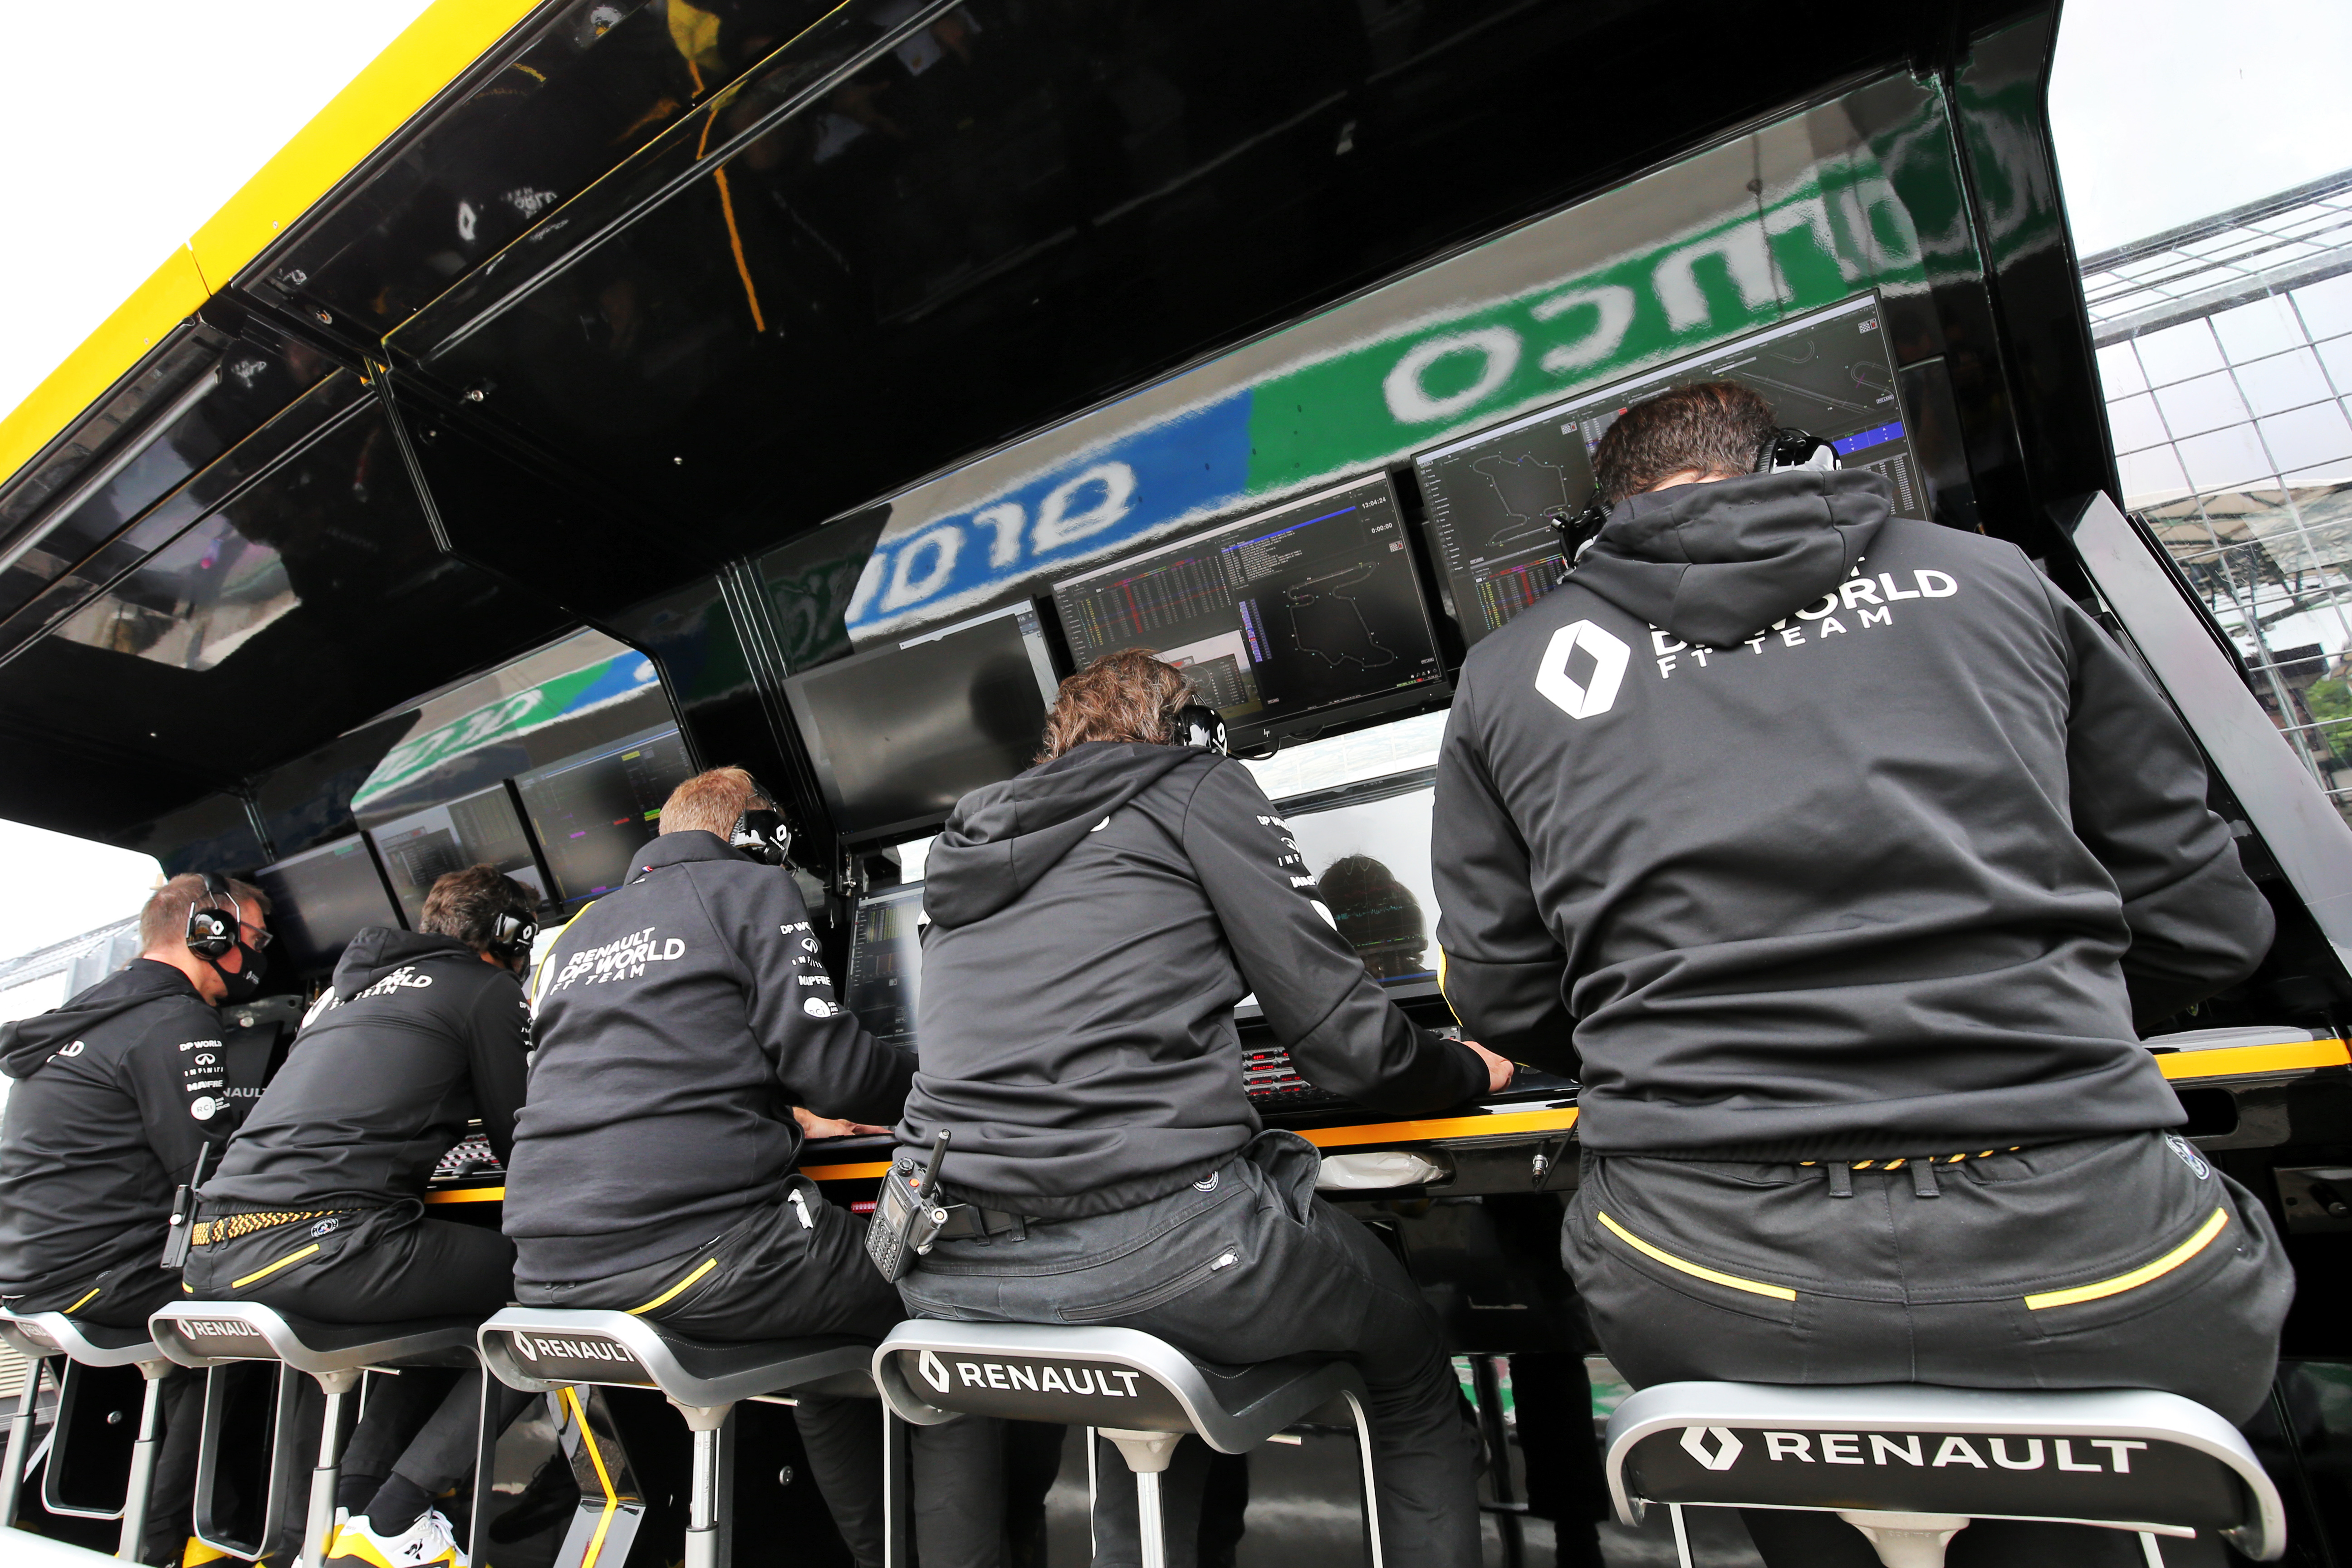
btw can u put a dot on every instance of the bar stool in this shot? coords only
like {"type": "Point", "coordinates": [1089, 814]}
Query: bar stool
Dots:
{"type": "Point", "coordinates": [208, 1333]}
{"type": "Point", "coordinates": [39, 1335]}
{"type": "Point", "coordinates": [537, 1348]}
{"type": "Point", "coordinates": [1911, 1465]}
{"type": "Point", "coordinates": [1140, 1391]}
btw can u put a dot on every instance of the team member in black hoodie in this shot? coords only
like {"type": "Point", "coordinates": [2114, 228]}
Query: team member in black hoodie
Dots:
{"type": "Point", "coordinates": [683, 1019]}
{"type": "Point", "coordinates": [317, 1209]}
{"type": "Point", "coordinates": [1093, 923]}
{"type": "Point", "coordinates": [116, 1094]}
{"type": "Point", "coordinates": [1836, 853]}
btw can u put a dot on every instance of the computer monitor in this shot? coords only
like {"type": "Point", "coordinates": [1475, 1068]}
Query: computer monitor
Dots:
{"type": "Point", "coordinates": [1281, 618]}
{"type": "Point", "coordinates": [898, 735]}
{"type": "Point", "coordinates": [1490, 497]}
{"type": "Point", "coordinates": [886, 964]}
{"type": "Point", "coordinates": [425, 846]}
{"type": "Point", "coordinates": [321, 897]}
{"type": "Point", "coordinates": [1367, 851]}
{"type": "Point", "coordinates": [593, 813]}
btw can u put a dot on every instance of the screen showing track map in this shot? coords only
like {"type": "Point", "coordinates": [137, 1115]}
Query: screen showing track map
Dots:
{"type": "Point", "coordinates": [1285, 614]}
{"type": "Point", "coordinates": [1491, 497]}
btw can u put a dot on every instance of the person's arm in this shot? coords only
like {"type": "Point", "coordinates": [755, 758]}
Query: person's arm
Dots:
{"type": "Point", "coordinates": [178, 1077]}
{"type": "Point", "coordinates": [1341, 1032]}
{"type": "Point", "coordinates": [825, 1062]}
{"type": "Point", "coordinates": [497, 1057]}
{"type": "Point", "coordinates": [2137, 785]}
{"type": "Point", "coordinates": [1503, 973]}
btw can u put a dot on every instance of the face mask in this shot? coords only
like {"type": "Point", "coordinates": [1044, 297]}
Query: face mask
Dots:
{"type": "Point", "coordinates": [247, 981]}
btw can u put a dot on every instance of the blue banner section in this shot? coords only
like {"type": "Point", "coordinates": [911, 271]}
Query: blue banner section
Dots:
{"type": "Point", "coordinates": [1098, 503]}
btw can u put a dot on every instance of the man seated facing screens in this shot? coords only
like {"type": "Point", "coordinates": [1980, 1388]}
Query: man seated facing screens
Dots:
{"type": "Point", "coordinates": [681, 1020]}
{"type": "Point", "coordinates": [1093, 923]}
{"type": "Point", "coordinates": [317, 1209]}
{"type": "Point", "coordinates": [117, 1092]}
{"type": "Point", "coordinates": [1837, 854]}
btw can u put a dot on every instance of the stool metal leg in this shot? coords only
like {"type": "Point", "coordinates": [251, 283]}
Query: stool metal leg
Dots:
{"type": "Point", "coordinates": [897, 1492]}
{"type": "Point", "coordinates": [2149, 1549]}
{"type": "Point", "coordinates": [20, 1440]}
{"type": "Point", "coordinates": [143, 1460]}
{"type": "Point", "coordinates": [706, 1528]}
{"type": "Point", "coordinates": [1147, 1454]}
{"type": "Point", "coordinates": [1372, 1488]}
{"type": "Point", "coordinates": [1682, 1535]}
{"type": "Point", "coordinates": [319, 1526]}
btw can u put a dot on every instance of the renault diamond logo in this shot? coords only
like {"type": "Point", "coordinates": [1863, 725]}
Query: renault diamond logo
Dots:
{"type": "Point", "coordinates": [1726, 1452]}
{"type": "Point", "coordinates": [1609, 656]}
{"type": "Point", "coordinates": [934, 1371]}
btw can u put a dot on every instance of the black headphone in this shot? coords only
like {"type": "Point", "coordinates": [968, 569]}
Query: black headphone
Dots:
{"type": "Point", "coordinates": [213, 933]}
{"type": "Point", "coordinates": [512, 934]}
{"type": "Point", "coordinates": [1789, 448]}
{"type": "Point", "coordinates": [761, 831]}
{"type": "Point", "coordinates": [1199, 725]}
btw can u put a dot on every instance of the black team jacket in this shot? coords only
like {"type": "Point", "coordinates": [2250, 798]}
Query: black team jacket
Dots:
{"type": "Point", "coordinates": [1093, 922]}
{"type": "Point", "coordinates": [417, 1036]}
{"type": "Point", "coordinates": [115, 1094]}
{"type": "Point", "coordinates": [1798, 830]}
{"type": "Point", "coordinates": [678, 1020]}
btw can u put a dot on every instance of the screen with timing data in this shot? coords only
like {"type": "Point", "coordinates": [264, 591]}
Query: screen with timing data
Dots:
{"type": "Point", "coordinates": [321, 897]}
{"type": "Point", "coordinates": [1492, 497]}
{"type": "Point", "coordinates": [886, 964]}
{"type": "Point", "coordinates": [1283, 616]}
{"type": "Point", "coordinates": [591, 814]}
{"type": "Point", "coordinates": [422, 847]}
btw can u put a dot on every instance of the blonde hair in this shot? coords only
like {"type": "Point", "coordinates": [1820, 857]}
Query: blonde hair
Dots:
{"type": "Point", "coordinates": [1130, 695]}
{"type": "Point", "coordinates": [711, 802]}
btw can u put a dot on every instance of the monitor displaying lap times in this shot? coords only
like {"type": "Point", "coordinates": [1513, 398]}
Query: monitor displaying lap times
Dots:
{"type": "Point", "coordinates": [1282, 618]}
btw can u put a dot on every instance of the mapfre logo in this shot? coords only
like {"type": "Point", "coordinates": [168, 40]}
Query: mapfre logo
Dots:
{"type": "Point", "coordinates": [1597, 691]}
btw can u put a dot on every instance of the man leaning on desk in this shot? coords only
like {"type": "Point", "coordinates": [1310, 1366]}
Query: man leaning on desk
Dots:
{"type": "Point", "coordinates": [1836, 853]}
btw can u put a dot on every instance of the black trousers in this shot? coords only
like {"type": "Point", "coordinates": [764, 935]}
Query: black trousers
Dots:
{"type": "Point", "coordinates": [1923, 1274]}
{"type": "Point", "coordinates": [384, 1266]}
{"type": "Point", "coordinates": [1302, 1279]}
{"type": "Point", "coordinates": [797, 1266]}
{"type": "Point", "coordinates": [122, 1298]}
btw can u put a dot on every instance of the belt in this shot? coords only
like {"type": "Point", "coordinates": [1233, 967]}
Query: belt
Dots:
{"type": "Point", "coordinates": [1922, 1169]}
{"type": "Point", "coordinates": [230, 1226]}
{"type": "Point", "coordinates": [970, 1219]}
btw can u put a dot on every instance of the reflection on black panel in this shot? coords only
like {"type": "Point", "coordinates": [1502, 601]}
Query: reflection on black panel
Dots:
{"type": "Point", "coordinates": [886, 964]}
{"type": "Point", "coordinates": [320, 900]}
{"type": "Point", "coordinates": [1369, 858]}
{"type": "Point", "coordinates": [1492, 497]}
{"type": "Point", "coordinates": [593, 814]}
{"type": "Point", "coordinates": [425, 846]}
{"type": "Point", "coordinates": [898, 735]}
{"type": "Point", "coordinates": [1285, 614]}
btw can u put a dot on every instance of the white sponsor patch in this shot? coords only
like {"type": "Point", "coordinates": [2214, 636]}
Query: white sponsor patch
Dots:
{"type": "Point", "coordinates": [1598, 691]}
{"type": "Point", "coordinates": [205, 1108]}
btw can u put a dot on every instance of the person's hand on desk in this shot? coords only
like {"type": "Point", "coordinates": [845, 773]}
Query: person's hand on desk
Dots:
{"type": "Point", "coordinates": [1498, 1068]}
{"type": "Point", "coordinates": [816, 1126]}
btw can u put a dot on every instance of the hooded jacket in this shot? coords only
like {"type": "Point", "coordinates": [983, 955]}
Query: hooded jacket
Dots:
{"type": "Point", "coordinates": [1794, 829]}
{"type": "Point", "coordinates": [417, 1036]}
{"type": "Point", "coordinates": [678, 1021]}
{"type": "Point", "coordinates": [115, 1094]}
{"type": "Point", "coordinates": [1093, 922]}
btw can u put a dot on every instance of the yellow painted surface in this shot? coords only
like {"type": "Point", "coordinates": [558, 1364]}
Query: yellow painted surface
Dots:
{"type": "Point", "coordinates": [468, 1195]}
{"type": "Point", "coordinates": [2233, 1061]}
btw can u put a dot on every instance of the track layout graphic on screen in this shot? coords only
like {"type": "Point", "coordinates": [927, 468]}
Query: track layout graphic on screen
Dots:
{"type": "Point", "coordinates": [1492, 497]}
{"type": "Point", "coordinates": [421, 847]}
{"type": "Point", "coordinates": [1281, 614]}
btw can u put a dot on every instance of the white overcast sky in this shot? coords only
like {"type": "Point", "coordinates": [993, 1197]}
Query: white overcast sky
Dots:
{"type": "Point", "coordinates": [2166, 110]}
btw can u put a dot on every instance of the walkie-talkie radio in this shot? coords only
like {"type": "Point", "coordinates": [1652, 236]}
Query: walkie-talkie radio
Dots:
{"type": "Point", "coordinates": [178, 1239]}
{"type": "Point", "coordinates": [907, 1214]}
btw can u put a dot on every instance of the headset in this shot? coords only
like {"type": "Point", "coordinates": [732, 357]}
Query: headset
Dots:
{"type": "Point", "coordinates": [1198, 725]}
{"type": "Point", "coordinates": [1789, 447]}
{"type": "Point", "coordinates": [512, 934]}
{"type": "Point", "coordinates": [213, 933]}
{"type": "Point", "coordinates": [760, 831]}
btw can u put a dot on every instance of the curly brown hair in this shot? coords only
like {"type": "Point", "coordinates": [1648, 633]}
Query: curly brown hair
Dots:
{"type": "Point", "coordinates": [1715, 428]}
{"type": "Point", "coordinates": [1130, 695]}
{"type": "Point", "coordinates": [466, 904]}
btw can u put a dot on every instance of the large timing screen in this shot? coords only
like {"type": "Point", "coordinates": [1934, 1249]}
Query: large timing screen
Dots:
{"type": "Point", "coordinates": [321, 897]}
{"type": "Point", "coordinates": [593, 814]}
{"type": "Point", "coordinates": [1281, 615]}
{"type": "Point", "coordinates": [900, 734]}
{"type": "Point", "coordinates": [1491, 497]}
{"type": "Point", "coordinates": [886, 964]}
{"type": "Point", "coordinates": [422, 847]}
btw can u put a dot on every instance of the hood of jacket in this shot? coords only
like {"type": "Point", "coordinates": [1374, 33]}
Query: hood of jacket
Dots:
{"type": "Point", "coordinates": [377, 951]}
{"type": "Point", "coordinates": [25, 1043]}
{"type": "Point", "coordinates": [1716, 564]}
{"type": "Point", "coordinates": [1001, 838]}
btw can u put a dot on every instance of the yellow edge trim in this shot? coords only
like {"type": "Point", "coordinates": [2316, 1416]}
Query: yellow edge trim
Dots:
{"type": "Point", "coordinates": [78, 1306]}
{"type": "Point", "coordinates": [1753, 1287]}
{"type": "Point", "coordinates": [2234, 1059]}
{"type": "Point", "coordinates": [260, 1273]}
{"type": "Point", "coordinates": [595, 1458]}
{"type": "Point", "coordinates": [2137, 1277]}
{"type": "Point", "coordinates": [468, 1195]}
{"type": "Point", "coordinates": [196, 1553]}
{"type": "Point", "coordinates": [708, 1264]}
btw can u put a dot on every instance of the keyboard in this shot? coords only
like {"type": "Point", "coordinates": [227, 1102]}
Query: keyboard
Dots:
{"type": "Point", "coordinates": [468, 1156]}
{"type": "Point", "coordinates": [1272, 1083]}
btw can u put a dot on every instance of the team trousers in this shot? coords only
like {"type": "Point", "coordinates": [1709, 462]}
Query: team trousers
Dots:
{"type": "Point", "coordinates": [1908, 1271]}
{"type": "Point", "coordinates": [1244, 1264]}
{"type": "Point", "coordinates": [797, 1266]}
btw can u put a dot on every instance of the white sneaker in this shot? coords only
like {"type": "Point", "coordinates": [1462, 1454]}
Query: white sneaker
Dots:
{"type": "Point", "coordinates": [427, 1542]}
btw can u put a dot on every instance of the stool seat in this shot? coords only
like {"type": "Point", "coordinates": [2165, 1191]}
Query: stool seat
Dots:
{"type": "Point", "coordinates": [206, 1334]}
{"type": "Point", "coordinates": [1910, 1464]}
{"type": "Point", "coordinates": [538, 1348]}
{"type": "Point", "coordinates": [36, 1334]}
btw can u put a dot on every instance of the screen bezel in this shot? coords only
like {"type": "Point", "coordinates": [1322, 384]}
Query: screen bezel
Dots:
{"type": "Point", "coordinates": [558, 897]}
{"type": "Point", "coordinates": [311, 963]}
{"type": "Point", "coordinates": [506, 787]}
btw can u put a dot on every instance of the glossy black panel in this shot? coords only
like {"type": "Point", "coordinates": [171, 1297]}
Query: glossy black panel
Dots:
{"type": "Point", "coordinates": [951, 234]}
{"type": "Point", "coordinates": [309, 800]}
{"type": "Point", "coordinates": [161, 376]}
{"type": "Point", "coordinates": [214, 835]}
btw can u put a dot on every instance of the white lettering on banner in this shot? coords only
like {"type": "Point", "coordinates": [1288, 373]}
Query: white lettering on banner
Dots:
{"type": "Point", "coordinates": [1004, 520]}
{"type": "Point", "coordinates": [942, 545]}
{"type": "Point", "coordinates": [1789, 1446]}
{"type": "Point", "coordinates": [214, 1329]}
{"type": "Point", "coordinates": [571, 1349]}
{"type": "Point", "coordinates": [1057, 525]}
{"type": "Point", "coordinates": [1955, 1451]}
{"type": "Point", "coordinates": [1844, 1449]}
{"type": "Point", "coordinates": [1999, 1446]}
{"type": "Point", "coordinates": [1613, 307]}
{"type": "Point", "coordinates": [2066, 1453]}
{"type": "Point", "coordinates": [1609, 657]}
{"type": "Point", "coordinates": [1907, 1450]}
{"type": "Point", "coordinates": [1412, 404]}
{"type": "Point", "coordinates": [1015, 1375]}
